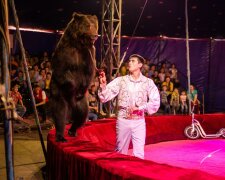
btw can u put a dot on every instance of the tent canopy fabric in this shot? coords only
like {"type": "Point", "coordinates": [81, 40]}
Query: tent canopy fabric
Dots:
{"type": "Point", "coordinates": [160, 17]}
{"type": "Point", "coordinates": [206, 60]}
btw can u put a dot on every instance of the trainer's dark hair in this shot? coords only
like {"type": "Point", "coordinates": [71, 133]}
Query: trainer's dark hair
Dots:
{"type": "Point", "coordinates": [140, 58]}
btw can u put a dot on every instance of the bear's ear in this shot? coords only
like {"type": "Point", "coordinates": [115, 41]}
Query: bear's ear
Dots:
{"type": "Point", "coordinates": [77, 16]}
{"type": "Point", "coordinates": [94, 20]}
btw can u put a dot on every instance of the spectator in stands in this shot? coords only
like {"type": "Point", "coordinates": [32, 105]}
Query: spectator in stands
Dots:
{"type": "Point", "coordinates": [44, 60]}
{"type": "Point", "coordinates": [151, 71]}
{"type": "Point", "coordinates": [13, 73]}
{"type": "Point", "coordinates": [36, 73]}
{"type": "Point", "coordinates": [45, 57]}
{"type": "Point", "coordinates": [165, 67]}
{"type": "Point", "coordinates": [34, 60]}
{"type": "Point", "coordinates": [156, 79]}
{"type": "Point", "coordinates": [169, 85]}
{"type": "Point", "coordinates": [176, 83]}
{"type": "Point", "coordinates": [175, 101]}
{"type": "Point", "coordinates": [18, 101]}
{"type": "Point", "coordinates": [29, 65]}
{"type": "Point", "coordinates": [47, 70]}
{"type": "Point", "coordinates": [32, 77]}
{"type": "Point", "coordinates": [41, 79]}
{"type": "Point", "coordinates": [13, 62]}
{"type": "Point", "coordinates": [101, 105]}
{"type": "Point", "coordinates": [93, 103]}
{"type": "Point", "coordinates": [47, 84]}
{"type": "Point", "coordinates": [48, 65]}
{"type": "Point", "coordinates": [96, 82]}
{"type": "Point", "coordinates": [193, 97]}
{"type": "Point", "coordinates": [164, 100]}
{"type": "Point", "coordinates": [41, 100]}
{"type": "Point", "coordinates": [145, 68]}
{"type": "Point", "coordinates": [123, 70]}
{"type": "Point", "coordinates": [173, 72]}
{"type": "Point", "coordinates": [21, 81]}
{"type": "Point", "coordinates": [162, 75]}
{"type": "Point", "coordinates": [183, 103]}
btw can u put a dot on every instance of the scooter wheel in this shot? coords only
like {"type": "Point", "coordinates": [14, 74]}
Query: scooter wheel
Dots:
{"type": "Point", "coordinates": [191, 133]}
{"type": "Point", "coordinates": [222, 132]}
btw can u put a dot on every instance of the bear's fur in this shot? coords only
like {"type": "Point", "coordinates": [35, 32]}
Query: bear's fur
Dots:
{"type": "Point", "coordinates": [73, 66]}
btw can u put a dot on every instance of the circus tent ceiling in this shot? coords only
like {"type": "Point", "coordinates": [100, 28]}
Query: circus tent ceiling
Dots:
{"type": "Point", "coordinates": [160, 17]}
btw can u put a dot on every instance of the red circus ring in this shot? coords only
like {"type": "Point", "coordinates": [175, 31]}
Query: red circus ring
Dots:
{"type": "Point", "coordinates": [91, 155]}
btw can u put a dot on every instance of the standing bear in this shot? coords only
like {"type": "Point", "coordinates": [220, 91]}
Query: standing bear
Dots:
{"type": "Point", "coordinates": [73, 68]}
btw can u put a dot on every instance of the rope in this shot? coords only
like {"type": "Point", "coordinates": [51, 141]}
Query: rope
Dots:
{"type": "Point", "coordinates": [136, 26]}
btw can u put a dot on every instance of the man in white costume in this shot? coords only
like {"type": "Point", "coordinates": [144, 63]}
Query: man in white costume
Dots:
{"type": "Point", "coordinates": [137, 94]}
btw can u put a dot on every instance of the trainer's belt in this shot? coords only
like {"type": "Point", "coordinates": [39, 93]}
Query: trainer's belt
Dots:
{"type": "Point", "coordinates": [132, 115]}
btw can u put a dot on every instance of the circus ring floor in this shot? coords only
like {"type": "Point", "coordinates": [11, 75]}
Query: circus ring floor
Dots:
{"type": "Point", "coordinates": [168, 153]}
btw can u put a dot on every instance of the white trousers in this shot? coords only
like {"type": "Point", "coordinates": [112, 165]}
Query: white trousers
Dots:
{"type": "Point", "coordinates": [127, 130]}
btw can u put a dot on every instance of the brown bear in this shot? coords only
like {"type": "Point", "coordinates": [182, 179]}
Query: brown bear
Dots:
{"type": "Point", "coordinates": [73, 68]}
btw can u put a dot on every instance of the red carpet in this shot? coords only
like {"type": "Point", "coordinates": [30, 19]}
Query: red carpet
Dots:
{"type": "Point", "coordinates": [91, 155]}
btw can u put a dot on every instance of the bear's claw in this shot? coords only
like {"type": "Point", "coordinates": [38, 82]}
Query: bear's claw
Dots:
{"type": "Point", "coordinates": [73, 134]}
{"type": "Point", "coordinates": [60, 138]}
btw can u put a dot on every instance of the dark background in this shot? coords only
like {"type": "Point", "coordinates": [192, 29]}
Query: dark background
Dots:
{"type": "Point", "coordinates": [160, 17]}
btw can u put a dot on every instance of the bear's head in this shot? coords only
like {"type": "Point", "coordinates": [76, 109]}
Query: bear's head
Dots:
{"type": "Point", "coordinates": [82, 29]}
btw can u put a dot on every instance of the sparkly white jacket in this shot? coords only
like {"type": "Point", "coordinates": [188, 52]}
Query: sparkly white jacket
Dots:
{"type": "Point", "coordinates": [141, 93]}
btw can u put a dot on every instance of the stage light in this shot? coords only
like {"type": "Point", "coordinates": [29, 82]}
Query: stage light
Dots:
{"type": "Point", "coordinates": [35, 30]}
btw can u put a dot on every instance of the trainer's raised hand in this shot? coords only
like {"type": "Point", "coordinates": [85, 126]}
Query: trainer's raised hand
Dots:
{"type": "Point", "coordinates": [102, 79]}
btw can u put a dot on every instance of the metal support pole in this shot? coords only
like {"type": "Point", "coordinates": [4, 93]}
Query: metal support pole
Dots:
{"type": "Point", "coordinates": [6, 115]}
{"type": "Point", "coordinates": [4, 89]}
{"type": "Point", "coordinates": [110, 38]}
{"type": "Point", "coordinates": [28, 77]}
{"type": "Point", "coordinates": [188, 52]}
{"type": "Point", "coordinates": [210, 103]}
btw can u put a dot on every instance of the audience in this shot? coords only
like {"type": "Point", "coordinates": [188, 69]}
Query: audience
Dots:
{"type": "Point", "coordinates": [168, 84]}
{"type": "Point", "coordinates": [21, 81]}
{"type": "Point", "coordinates": [183, 103]}
{"type": "Point", "coordinates": [173, 72]}
{"type": "Point", "coordinates": [42, 78]}
{"type": "Point", "coordinates": [193, 97]}
{"type": "Point", "coordinates": [47, 84]}
{"type": "Point", "coordinates": [175, 101]}
{"type": "Point", "coordinates": [41, 100]}
{"type": "Point", "coordinates": [93, 103]}
{"type": "Point", "coordinates": [163, 74]}
{"type": "Point", "coordinates": [18, 101]}
{"type": "Point", "coordinates": [164, 100]}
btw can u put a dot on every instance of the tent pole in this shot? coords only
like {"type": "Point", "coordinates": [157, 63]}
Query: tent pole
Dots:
{"type": "Point", "coordinates": [187, 52]}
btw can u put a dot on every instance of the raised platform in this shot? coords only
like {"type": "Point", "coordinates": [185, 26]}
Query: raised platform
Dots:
{"type": "Point", "coordinates": [91, 155]}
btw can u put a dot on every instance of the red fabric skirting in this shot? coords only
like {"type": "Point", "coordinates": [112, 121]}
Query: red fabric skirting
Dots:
{"type": "Point", "coordinates": [91, 155]}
